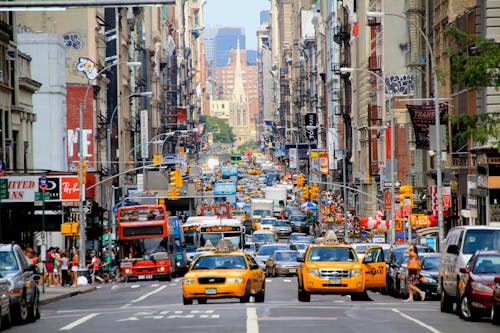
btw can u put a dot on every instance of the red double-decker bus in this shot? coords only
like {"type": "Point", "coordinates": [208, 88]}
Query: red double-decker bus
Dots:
{"type": "Point", "coordinates": [146, 241]}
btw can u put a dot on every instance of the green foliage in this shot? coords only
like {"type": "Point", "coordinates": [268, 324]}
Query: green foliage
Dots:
{"type": "Point", "coordinates": [247, 145]}
{"type": "Point", "coordinates": [223, 133]}
{"type": "Point", "coordinates": [475, 64]}
{"type": "Point", "coordinates": [475, 61]}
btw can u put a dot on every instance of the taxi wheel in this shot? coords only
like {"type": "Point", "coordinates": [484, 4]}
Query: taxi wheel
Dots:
{"type": "Point", "coordinates": [304, 296]}
{"type": "Point", "coordinates": [259, 298]}
{"type": "Point", "coordinates": [202, 301]}
{"type": "Point", "coordinates": [187, 301]}
{"type": "Point", "coordinates": [245, 298]}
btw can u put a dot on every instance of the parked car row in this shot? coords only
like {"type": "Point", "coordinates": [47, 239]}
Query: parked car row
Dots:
{"type": "Point", "coordinates": [19, 294]}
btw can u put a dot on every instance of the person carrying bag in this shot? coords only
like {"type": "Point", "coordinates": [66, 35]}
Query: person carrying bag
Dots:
{"type": "Point", "coordinates": [414, 267]}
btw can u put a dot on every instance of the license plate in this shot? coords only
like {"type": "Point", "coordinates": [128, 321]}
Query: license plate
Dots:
{"type": "Point", "coordinates": [293, 270]}
{"type": "Point", "coordinates": [210, 291]}
{"type": "Point", "coordinates": [149, 276]}
{"type": "Point", "coordinates": [335, 281]}
{"type": "Point", "coordinates": [141, 277]}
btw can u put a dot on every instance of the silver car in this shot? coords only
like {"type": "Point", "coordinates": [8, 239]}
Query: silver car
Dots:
{"type": "Point", "coordinates": [24, 294]}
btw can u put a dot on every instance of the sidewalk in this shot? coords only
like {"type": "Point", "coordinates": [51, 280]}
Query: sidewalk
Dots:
{"type": "Point", "coordinates": [58, 293]}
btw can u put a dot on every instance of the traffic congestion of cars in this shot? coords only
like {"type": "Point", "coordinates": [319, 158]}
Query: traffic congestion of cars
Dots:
{"type": "Point", "coordinates": [326, 264]}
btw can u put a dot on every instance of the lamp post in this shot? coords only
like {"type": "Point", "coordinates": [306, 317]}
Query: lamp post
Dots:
{"type": "Point", "coordinates": [81, 214]}
{"type": "Point", "coordinates": [391, 113]}
{"type": "Point", "coordinates": [110, 124]}
{"type": "Point", "coordinates": [439, 179]}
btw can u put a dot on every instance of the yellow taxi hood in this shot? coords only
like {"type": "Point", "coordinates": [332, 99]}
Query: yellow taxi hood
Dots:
{"type": "Point", "coordinates": [333, 265]}
{"type": "Point", "coordinates": [230, 272]}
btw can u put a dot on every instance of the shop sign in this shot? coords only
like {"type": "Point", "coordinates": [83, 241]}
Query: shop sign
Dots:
{"type": "Point", "coordinates": [59, 188]}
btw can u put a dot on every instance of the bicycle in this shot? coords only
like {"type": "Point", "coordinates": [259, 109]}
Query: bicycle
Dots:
{"type": "Point", "coordinates": [117, 275]}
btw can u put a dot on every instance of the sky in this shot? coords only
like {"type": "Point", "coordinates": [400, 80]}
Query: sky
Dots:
{"type": "Point", "coordinates": [237, 13]}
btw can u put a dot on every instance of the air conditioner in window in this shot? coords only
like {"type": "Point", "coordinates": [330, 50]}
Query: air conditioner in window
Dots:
{"type": "Point", "coordinates": [10, 55]}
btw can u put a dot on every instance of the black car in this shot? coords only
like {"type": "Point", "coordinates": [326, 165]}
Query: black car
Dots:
{"type": "Point", "coordinates": [24, 293]}
{"type": "Point", "coordinates": [429, 271]}
{"type": "Point", "coordinates": [393, 260]}
{"type": "Point", "coordinates": [299, 223]}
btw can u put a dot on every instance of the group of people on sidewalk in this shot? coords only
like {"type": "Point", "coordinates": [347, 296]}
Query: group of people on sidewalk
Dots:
{"type": "Point", "coordinates": [60, 269]}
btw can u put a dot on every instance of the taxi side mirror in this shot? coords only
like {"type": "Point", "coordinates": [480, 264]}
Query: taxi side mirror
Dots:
{"type": "Point", "coordinates": [254, 266]}
{"type": "Point", "coordinates": [300, 259]}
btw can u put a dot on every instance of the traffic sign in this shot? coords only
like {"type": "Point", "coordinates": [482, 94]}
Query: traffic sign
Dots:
{"type": "Point", "coordinates": [4, 188]}
{"type": "Point", "coordinates": [42, 196]}
{"type": "Point", "coordinates": [43, 183]}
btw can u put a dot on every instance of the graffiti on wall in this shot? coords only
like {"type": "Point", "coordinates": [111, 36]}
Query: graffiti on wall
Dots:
{"type": "Point", "coordinates": [88, 67]}
{"type": "Point", "coordinates": [399, 84]}
{"type": "Point", "coordinates": [73, 40]}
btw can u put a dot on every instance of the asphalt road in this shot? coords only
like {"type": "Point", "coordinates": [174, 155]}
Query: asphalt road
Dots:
{"type": "Point", "coordinates": [151, 306]}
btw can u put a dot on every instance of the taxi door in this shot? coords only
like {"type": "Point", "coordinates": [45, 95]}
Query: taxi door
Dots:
{"type": "Point", "coordinates": [374, 267]}
{"type": "Point", "coordinates": [257, 276]}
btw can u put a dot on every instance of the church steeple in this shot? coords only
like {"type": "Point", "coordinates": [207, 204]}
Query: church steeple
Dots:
{"type": "Point", "coordinates": [239, 90]}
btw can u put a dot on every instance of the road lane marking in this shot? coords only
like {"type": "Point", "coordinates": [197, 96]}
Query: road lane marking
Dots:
{"type": "Point", "coordinates": [143, 297]}
{"type": "Point", "coordinates": [252, 320]}
{"type": "Point", "coordinates": [430, 328]}
{"type": "Point", "coordinates": [78, 322]}
{"type": "Point", "coordinates": [134, 286]}
{"type": "Point", "coordinates": [287, 280]}
{"type": "Point", "coordinates": [296, 318]}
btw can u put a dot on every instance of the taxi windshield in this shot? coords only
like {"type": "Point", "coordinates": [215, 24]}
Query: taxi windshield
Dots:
{"type": "Point", "coordinates": [332, 253]}
{"type": "Point", "coordinates": [220, 262]}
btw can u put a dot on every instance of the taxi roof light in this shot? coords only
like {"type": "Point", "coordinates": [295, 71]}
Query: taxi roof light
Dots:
{"type": "Point", "coordinates": [330, 237]}
{"type": "Point", "coordinates": [225, 245]}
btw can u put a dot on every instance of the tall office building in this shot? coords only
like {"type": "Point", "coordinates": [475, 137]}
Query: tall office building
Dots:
{"type": "Point", "coordinates": [225, 40]}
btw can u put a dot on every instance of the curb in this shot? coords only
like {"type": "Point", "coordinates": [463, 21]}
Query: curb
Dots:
{"type": "Point", "coordinates": [49, 300]}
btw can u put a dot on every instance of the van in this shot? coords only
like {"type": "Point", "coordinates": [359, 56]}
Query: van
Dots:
{"type": "Point", "coordinates": [459, 245]}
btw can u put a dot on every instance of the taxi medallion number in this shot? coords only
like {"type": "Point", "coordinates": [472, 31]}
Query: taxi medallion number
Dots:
{"type": "Point", "coordinates": [335, 281]}
{"type": "Point", "coordinates": [210, 291]}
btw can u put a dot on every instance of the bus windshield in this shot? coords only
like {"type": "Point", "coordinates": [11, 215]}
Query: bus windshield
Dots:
{"type": "Point", "coordinates": [215, 237]}
{"type": "Point", "coordinates": [191, 239]}
{"type": "Point", "coordinates": [146, 248]}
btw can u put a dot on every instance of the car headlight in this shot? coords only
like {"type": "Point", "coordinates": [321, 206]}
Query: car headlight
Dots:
{"type": "Point", "coordinates": [188, 281]}
{"type": "Point", "coordinates": [314, 272]}
{"type": "Point", "coordinates": [481, 287]}
{"type": "Point", "coordinates": [355, 272]}
{"type": "Point", "coordinates": [235, 280]}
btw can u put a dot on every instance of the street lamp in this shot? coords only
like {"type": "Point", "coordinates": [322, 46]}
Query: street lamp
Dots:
{"type": "Point", "coordinates": [439, 179]}
{"type": "Point", "coordinates": [110, 123]}
{"type": "Point", "coordinates": [391, 112]}
{"type": "Point", "coordinates": [81, 214]}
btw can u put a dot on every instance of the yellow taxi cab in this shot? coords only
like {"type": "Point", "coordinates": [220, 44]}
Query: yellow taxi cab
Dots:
{"type": "Point", "coordinates": [223, 273]}
{"type": "Point", "coordinates": [333, 268]}
{"type": "Point", "coordinates": [239, 214]}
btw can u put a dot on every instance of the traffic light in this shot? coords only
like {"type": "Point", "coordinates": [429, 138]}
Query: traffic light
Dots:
{"type": "Point", "coordinates": [178, 180]}
{"type": "Point", "coordinates": [84, 171]}
{"type": "Point", "coordinates": [406, 191]}
{"type": "Point", "coordinates": [173, 178]}
{"type": "Point", "coordinates": [157, 159]}
{"type": "Point", "coordinates": [300, 180]}
{"type": "Point", "coordinates": [305, 192]}
{"type": "Point", "coordinates": [314, 191]}
{"type": "Point", "coordinates": [66, 228]}
{"type": "Point", "coordinates": [173, 194]}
